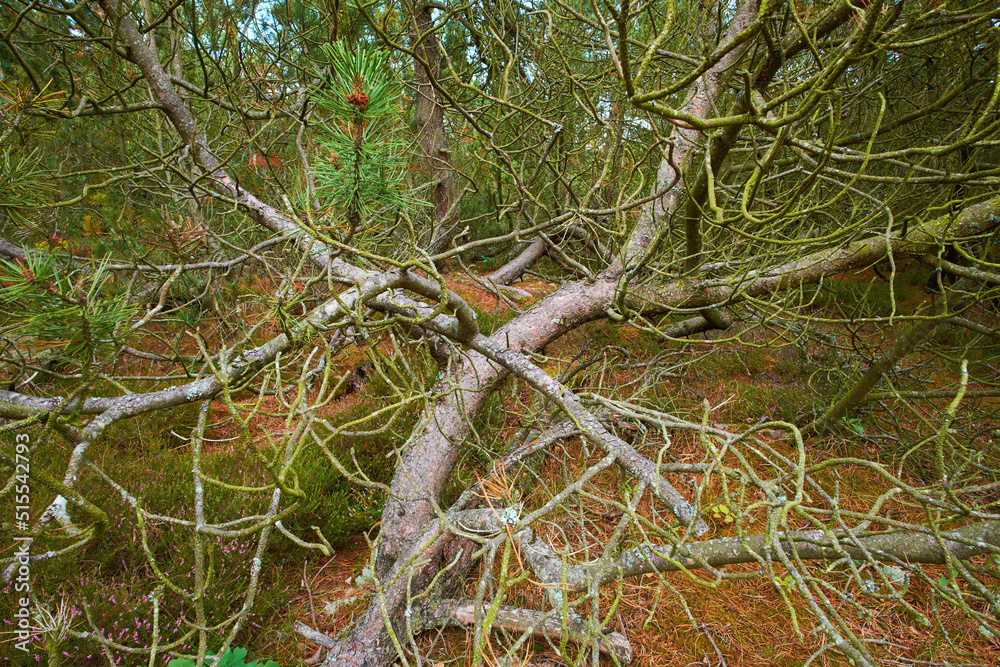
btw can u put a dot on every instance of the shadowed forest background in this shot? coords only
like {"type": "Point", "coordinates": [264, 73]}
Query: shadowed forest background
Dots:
{"type": "Point", "coordinates": [552, 332]}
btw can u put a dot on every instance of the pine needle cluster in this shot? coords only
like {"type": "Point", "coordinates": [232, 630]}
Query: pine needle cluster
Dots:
{"type": "Point", "coordinates": [73, 314]}
{"type": "Point", "coordinates": [361, 168]}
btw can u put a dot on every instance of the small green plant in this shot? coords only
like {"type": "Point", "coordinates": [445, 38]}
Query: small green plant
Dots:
{"type": "Point", "coordinates": [233, 657]}
{"type": "Point", "coordinates": [721, 512]}
{"type": "Point", "coordinates": [853, 423]}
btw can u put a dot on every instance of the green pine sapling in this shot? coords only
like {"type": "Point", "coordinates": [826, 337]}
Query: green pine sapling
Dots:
{"type": "Point", "coordinates": [362, 142]}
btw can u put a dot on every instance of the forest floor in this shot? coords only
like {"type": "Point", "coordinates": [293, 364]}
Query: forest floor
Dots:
{"type": "Point", "coordinates": [766, 368]}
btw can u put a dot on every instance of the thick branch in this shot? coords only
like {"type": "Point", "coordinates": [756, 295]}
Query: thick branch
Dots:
{"type": "Point", "coordinates": [892, 546]}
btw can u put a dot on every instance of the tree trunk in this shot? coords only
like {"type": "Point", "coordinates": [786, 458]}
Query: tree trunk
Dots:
{"type": "Point", "coordinates": [430, 129]}
{"type": "Point", "coordinates": [428, 460]}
